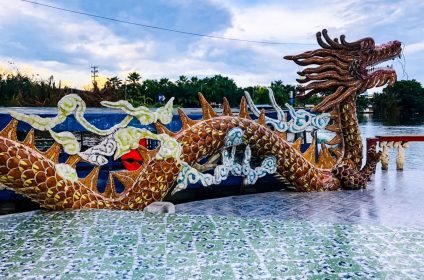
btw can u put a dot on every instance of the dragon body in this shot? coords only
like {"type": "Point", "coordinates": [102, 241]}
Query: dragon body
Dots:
{"type": "Point", "coordinates": [341, 73]}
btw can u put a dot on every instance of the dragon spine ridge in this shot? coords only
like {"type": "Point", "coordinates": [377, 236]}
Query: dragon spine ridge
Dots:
{"type": "Point", "coordinates": [342, 69]}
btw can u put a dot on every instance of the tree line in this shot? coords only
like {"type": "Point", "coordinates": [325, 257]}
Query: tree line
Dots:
{"type": "Point", "coordinates": [22, 90]}
{"type": "Point", "coordinates": [405, 98]}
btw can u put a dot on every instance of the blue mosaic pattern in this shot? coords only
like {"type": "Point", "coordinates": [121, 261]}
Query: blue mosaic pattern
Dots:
{"type": "Point", "coordinates": [134, 245]}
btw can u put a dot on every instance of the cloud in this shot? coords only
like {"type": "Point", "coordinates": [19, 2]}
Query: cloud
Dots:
{"type": "Point", "coordinates": [78, 42]}
{"type": "Point", "coordinates": [277, 22]}
{"type": "Point", "coordinates": [414, 48]}
{"type": "Point", "coordinates": [66, 45]}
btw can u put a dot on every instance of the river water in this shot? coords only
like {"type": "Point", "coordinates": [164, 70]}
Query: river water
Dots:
{"type": "Point", "coordinates": [414, 155]}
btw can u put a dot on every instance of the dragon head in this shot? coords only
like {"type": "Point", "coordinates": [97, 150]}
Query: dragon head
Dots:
{"type": "Point", "coordinates": [344, 68]}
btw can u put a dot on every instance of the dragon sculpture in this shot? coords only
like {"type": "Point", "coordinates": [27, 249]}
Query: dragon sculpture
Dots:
{"type": "Point", "coordinates": [341, 71]}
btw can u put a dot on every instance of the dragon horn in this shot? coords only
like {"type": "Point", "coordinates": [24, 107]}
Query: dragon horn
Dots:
{"type": "Point", "coordinates": [321, 42]}
{"type": "Point", "coordinates": [333, 43]}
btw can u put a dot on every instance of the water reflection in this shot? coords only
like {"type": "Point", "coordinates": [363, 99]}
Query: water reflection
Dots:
{"type": "Point", "coordinates": [371, 126]}
{"type": "Point", "coordinates": [391, 199]}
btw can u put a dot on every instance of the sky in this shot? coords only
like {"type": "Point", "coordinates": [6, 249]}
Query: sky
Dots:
{"type": "Point", "coordinates": [46, 42]}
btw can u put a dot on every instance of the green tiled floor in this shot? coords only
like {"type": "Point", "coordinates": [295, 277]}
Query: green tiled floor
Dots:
{"type": "Point", "coordinates": [132, 245]}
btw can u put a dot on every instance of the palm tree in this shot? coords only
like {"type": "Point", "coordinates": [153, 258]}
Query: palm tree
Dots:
{"type": "Point", "coordinates": [182, 80]}
{"type": "Point", "coordinates": [113, 83]}
{"type": "Point", "coordinates": [134, 88]}
{"type": "Point", "coordinates": [134, 77]}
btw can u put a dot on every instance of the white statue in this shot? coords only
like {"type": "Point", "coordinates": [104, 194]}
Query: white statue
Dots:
{"type": "Point", "coordinates": [400, 158]}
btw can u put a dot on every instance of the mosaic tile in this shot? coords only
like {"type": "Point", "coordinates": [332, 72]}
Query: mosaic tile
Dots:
{"type": "Point", "coordinates": [183, 273]}
{"type": "Point", "coordinates": [242, 256]}
{"type": "Point", "coordinates": [16, 269]}
{"type": "Point", "coordinates": [324, 277]}
{"type": "Point", "coordinates": [151, 249]}
{"type": "Point", "coordinates": [68, 241]}
{"type": "Point", "coordinates": [300, 253]}
{"type": "Point", "coordinates": [181, 260]}
{"type": "Point", "coordinates": [118, 250]}
{"type": "Point", "coordinates": [282, 268]}
{"type": "Point", "coordinates": [59, 253]}
{"type": "Point", "coordinates": [80, 276]}
{"type": "Point", "coordinates": [95, 240]}
{"type": "Point", "coordinates": [145, 246]}
{"type": "Point", "coordinates": [114, 274]}
{"type": "Point", "coordinates": [77, 266]}
{"type": "Point", "coordinates": [256, 233]}
{"type": "Point", "coordinates": [215, 272]}
{"type": "Point", "coordinates": [387, 201]}
{"type": "Point", "coordinates": [209, 245]}
{"type": "Point", "coordinates": [149, 237]}
{"type": "Point", "coordinates": [51, 267]}
{"type": "Point", "coordinates": [150, 262]}
{"type": "Point", "coordinates": [414, 274]}
{"type": "Point", "coordinates": [180, 247]}
{"type": "Point", "coordinates": [264, 243]}
{"type": "Point", "coordinates": [206, 235]}
{"type": "Point", "coordinates": [127, 239]}
{"type": "Point", "coordinates": [339, 265]}
{"type": "Point", "coordinates": [149, 274]}
{"type": "Point", "coordinates": [230, 233]}
{"type": "Point", "coordinates": [179, 236]}
{"type": "Point", "coordinates": [203, 226]}
{"type": "Point", "coordinates": [250, 271]}
{"type": "Point", "coordinates": [25, 255]}
{"type": "Point", "coordinates": [212, 258]}
{"type": "Point", "coordinates": [273, 255]}
{"type": "Point", "coordinates": [311, 267]}
{"type": "Point", "coordinates": [90, 251]}
{"type": "Point", "coordinates": [116, 264]}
